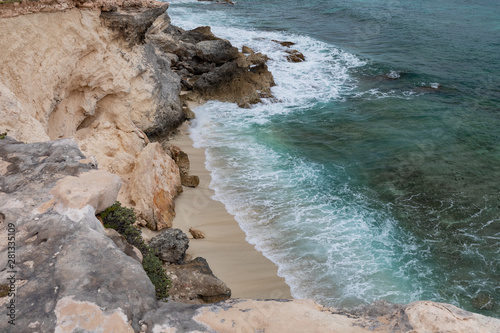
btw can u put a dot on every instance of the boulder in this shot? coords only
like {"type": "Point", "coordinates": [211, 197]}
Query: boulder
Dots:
{"type": "Point", "coordinates": [216, 51]}
{"type": "Point", "coordinates": [170, 245]}
{"type": "Point", "coordinates": [197, 234]}
{"type": "Point", "coordinates": [195, 283]}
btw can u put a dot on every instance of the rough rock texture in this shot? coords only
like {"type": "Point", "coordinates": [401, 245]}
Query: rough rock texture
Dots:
{"type": "Point", "coordinates": [182, 161]}
{"type": "Point", "coordinates": [64, 262]}
{"type": "Point", "coordinates": [307, 316]}
{"type": "Point", "coordinates": [170, 245]}
{"type": "Point", "coordinates": [156, 182]}
{"type": "Point", "coordinates": [214, 68]}
{"type": "Point", "coordinates": [123, 245]}
{"type": "Point", "coordinates": [195, 283]}
{"type": "Point", "coordinates": [87, 74]}
{"type": "Point", "coordinates": [47, 6]}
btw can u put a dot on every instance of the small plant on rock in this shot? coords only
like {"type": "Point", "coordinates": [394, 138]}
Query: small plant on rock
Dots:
{"type": "Point", "coordinates": [122, 219]}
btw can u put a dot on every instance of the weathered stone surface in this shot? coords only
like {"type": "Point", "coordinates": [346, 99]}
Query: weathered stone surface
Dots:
{"type": "Point", "coordinates": [67, 269]}
{"type": "Point", "coordinates": [238, 81]}
{"type": "Point", "coordinates": [133, 22]}
{"type": "Point", "coordinates": [48, 6]}
{"type": "Point", "coordinates": [307, 316]}
{"type": "Point", "coordinates": [217, 51]}
{"type": "Point", "coordinates": [170, 245]}
{"type": "Point", "coordinates": [88, 84]}
{"type": "Point", "coordinates": [156, 182]}
{"type": "Point", "coordinates": [195, 283]}
{"type": "Point", "coordinates": [217, 69]}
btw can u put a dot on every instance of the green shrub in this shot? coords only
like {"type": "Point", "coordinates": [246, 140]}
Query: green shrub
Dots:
{"type": "Point", "coordinates": [154, 268]}
{"type": "Point", "coordinates": [122, 219]}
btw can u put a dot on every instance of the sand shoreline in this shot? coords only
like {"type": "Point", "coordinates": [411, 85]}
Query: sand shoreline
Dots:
{"type": "Point", "coordinates": [245, 270]}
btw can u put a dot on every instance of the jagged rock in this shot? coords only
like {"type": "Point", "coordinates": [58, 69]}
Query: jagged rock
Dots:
{"type": "Point", "coordinates": [246, 50]}
{"type": "Point", "coordinates": [217, 51]}
{"type": "Point", "coordinates": [123, 245]}
{"type": "Point", "coordinates": [170, 245]}
{"type": "Point", "coordinates": [237, 81]}
{"type": "Point", "coordinates": [195, 283]}
{"type": "Point", "coordinates": [295, 56]}
{"type": "Point", "coordinates": [63, 257]}
{"type": "Point", "coordinates": [156, 182]}
{"type": "Point", "coordinates": [197, 234]}
{"type": "Point", "coordinates": [285, 44]}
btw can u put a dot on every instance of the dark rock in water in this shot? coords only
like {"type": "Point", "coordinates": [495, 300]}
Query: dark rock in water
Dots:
{"type": "Point", "coordinates": [65, 263]}
{"type": "Point", "coordinates": [195, 283]}
{"type": "Point", "coordinates": [285, 44]}
{"type": "Point", "coordinates": [237, 81]}
{"type": "Point", "coordinates": [217, 51]}
{"type": "Point", "coordinates": [483, 301]}
{"type": "Point", "coordinates": [295, 56]}
{"type": "Point", "coordinates": [170, 245]}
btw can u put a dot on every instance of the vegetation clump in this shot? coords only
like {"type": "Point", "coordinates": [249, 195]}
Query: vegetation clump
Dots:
{"type": "Point", "coordinates": [122, 219]}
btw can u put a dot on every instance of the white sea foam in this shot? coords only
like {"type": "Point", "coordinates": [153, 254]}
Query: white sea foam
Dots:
{"type": "Point", "coordinates": [328, 244]}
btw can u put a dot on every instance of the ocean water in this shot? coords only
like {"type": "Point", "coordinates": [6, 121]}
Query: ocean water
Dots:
{"type": "Point", "coordinates": [374, 173]}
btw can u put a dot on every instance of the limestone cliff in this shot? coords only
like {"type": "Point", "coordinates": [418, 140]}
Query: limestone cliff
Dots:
{"type": "Point", "coordinates": [87, 74]}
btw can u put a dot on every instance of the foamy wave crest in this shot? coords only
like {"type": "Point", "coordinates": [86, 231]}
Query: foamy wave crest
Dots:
{"type": "Point", "coordinates": [328, 243]}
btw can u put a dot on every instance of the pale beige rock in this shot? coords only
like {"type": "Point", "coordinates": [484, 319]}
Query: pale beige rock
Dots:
{"type": "Point", "coordinates": [197, 234]}
{"type": "Point", "coordinates": [13, 118]}
{"type": "Point", "coordinates": [156, 181]}
{"type": "Point", "coordinates": [96, 188]}
{"type": "Point", "coordinates": [276, 316]}
{"type": "Point", "coordinates": [75, 316]}
{"type": "Point", "coordinates": [429, 317]}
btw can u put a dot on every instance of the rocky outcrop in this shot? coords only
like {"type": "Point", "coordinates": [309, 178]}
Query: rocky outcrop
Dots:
{"type": "Point", "coordinates": [195, 283]}
{"type": "Point", "coordinates": [212, 66]}
{"type": "Point", "coordinates": [64, 262]}
{"type": "Point", "coordinates": [170, 245]}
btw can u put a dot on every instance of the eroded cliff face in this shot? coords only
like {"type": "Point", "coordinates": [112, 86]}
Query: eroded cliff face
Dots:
{"type": "Point", "coordinates": [87, 74]}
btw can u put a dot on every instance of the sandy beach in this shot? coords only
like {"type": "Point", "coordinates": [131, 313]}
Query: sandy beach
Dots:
{"type": "Point", "coordinates": [245, 270]}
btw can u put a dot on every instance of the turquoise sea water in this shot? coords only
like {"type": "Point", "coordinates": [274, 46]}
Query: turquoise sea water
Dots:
{"type": "Point", "coordinates": [375, 171]}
